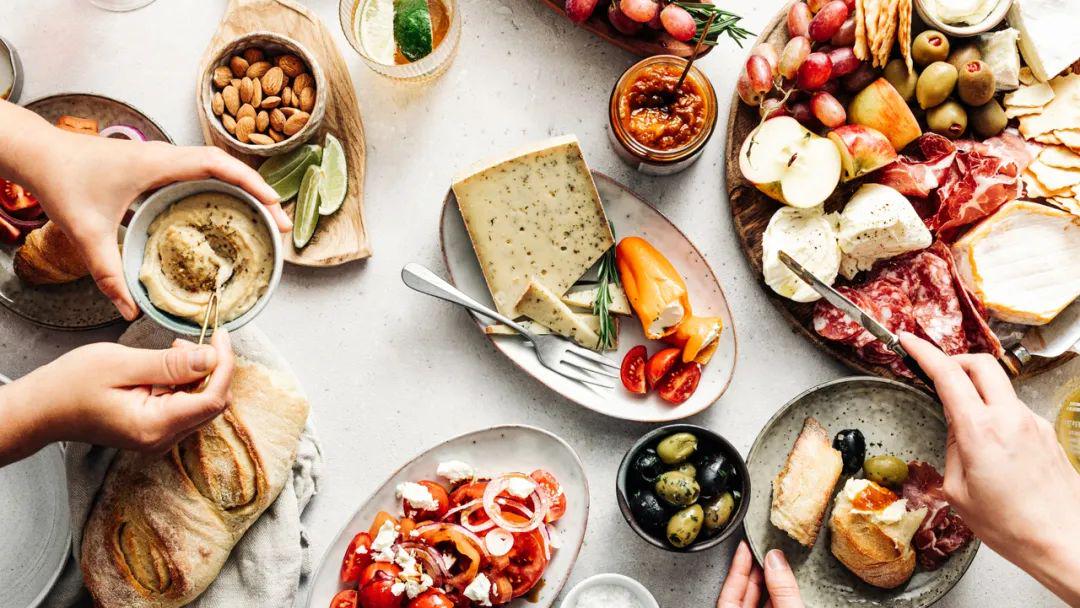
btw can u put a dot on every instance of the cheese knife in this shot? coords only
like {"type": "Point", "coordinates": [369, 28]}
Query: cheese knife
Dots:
{"type": "Point", "coordinates": [1052, 340]}
{"type": "Point", "coordinates": [869, 323]}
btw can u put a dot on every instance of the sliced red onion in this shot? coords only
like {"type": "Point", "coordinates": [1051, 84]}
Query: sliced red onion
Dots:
{"type": "Point", "coordinates": [499, 542]}
{"type": "Point", "coordinates": [546, 535]}
{"type": "Point", "coordinates": [24, 225]}
{"type": "Point", "coordinates": [450, 514]}
{"type": "Point", "coordinates": [124, 131]}
{"type": "Point", "coordinates": [494, 507]}
{"type": "Point", "coordinates": [430, 557]}
{"type": "Point", "coordinates": [434, 526]}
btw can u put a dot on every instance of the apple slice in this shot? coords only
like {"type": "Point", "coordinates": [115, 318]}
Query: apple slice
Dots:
{"type": "Point", "coordinates": [879, 106]}
{"type": "Point", "coordinates": [862, 150]}
{"type": "Point", "coordinates": [789, 163]}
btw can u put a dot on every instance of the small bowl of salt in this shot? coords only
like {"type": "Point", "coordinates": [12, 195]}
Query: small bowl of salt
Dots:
{"type": "Point", "coordinates": [609, 591]}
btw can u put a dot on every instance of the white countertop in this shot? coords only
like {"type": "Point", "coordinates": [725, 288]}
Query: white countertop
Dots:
{"type": "Point", "coordinates": [391, 371]}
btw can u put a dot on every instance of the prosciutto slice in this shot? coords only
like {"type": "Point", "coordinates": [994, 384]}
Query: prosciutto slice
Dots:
{"type": "Point", "coordinates": [943, 532]}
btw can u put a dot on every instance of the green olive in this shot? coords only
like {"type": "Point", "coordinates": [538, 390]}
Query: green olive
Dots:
{"type": "Point", "coordinates": [948, 119]}
{"type": "Point", "coordinates": [677, 489]}
{"type": "Point", "coordinates": [901, 78]}
{"type": "Point", "coordinates": [928, 47]}
{"type": "Point", "coordinates": [677, 448]}
{"type": "Point", "coordinates": [718, 511]}
{"type": "Point", "coordinates": [935, 84]}
{"type": "Point", "coordinates": [963, 54]}
{"type": "Point", "coordinates": [683, 527]}
{"type": "Point", "coordinates": [988, 119]}
{"type": "Point", "coordinates": [688, 469]}
{"type": "Point", "coordinates": [888, 471]}
{"type": "Point", "coordinates": [975, 84]}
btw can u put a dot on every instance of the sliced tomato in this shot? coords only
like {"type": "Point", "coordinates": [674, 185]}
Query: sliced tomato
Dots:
{"type": "Point", "coordinates": [344, 599]}
{"type": "Point", "coordinates": [371, 572]}
{"type": "Point", "coordinates": [405, 527]}
{"type": "Point", "coordinates": [680, 383]}
{"type": "Point", "coordinates": [380, 519]}
{"type": "Point", "coordinates": [379, 593]}
{"type": "Point", "coordinates": [633, 370]}
{"type": "Point", "coordinates": [527, 562]}
{"type": "Point", "coordinates": [556, 497]}
{"type": "Point", "coordinates": [464, 494]}
{"type": "Point", "coordinates": [439, 494]}
{"type": "Point", "coordinates": [357, 557]}
{"type": "Point", "coordinates": [501, 589]}
{"type": "Point", "coordinates": [432, 598]}
{"type": "Point", "coordinates": [15, 198]}
{"type": "Point", "coordinates": [660, 364]}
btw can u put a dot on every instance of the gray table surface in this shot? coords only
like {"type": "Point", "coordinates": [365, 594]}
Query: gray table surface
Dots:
{"type": "Point", "coordinates": [391, 371]}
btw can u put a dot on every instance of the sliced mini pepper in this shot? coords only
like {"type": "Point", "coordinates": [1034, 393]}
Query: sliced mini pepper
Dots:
{"type": "Point", "coordinates": [655, 289]}
{"type": "Point", "coordinates": [698, 337]}
{"type": "Point", "coordinates": [77, 124]}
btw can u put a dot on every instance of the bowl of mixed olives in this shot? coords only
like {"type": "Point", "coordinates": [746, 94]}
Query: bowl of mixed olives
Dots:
{"type": "Point", "coordinates": [683, 488]}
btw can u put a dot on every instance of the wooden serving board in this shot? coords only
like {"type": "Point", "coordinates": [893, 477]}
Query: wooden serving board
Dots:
{"type": "Point", "coordinates": [340, 237]}
{"type": "Point", "coordinates": [751, 211]}
{"type": "Point", "coordinates": [645, 44]}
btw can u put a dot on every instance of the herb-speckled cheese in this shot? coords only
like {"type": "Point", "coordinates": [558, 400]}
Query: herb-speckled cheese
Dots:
{"type": "Point", "coordinates": [533, 215]}
{"type": "Point", "coordinates": [544, 307]}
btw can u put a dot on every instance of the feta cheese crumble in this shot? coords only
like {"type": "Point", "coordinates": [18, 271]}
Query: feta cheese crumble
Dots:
{"type": "Point", "coordinates": [382, 546]}
{"type": "Point", "coordinates": [417, 496]}
{"type": "Point", "coordinates": [520, 487]}
{"type": "Point", "coordinates": [455, 471]}
{"type": "Point", "coordinates": [479, 590]}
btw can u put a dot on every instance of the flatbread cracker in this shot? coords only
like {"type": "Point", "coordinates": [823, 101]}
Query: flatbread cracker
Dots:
{"type": "Point", "coordinates": [1033, 188]}
{"type": "Point", "coordinates": [1052, 178]}
{"type": "Point", "coordinates": [871, 8]}
{"type": "Point", "coordinates": [904, 37]}
{"type": "Point", "coordinates": [860, 31]}
{"type": "Point", "coordinates": [1068, 137]}
{"type": "Point", "coordinates": [887, 32]}
{"type": "Point", "coordinates": [1019, 111]}
{"type": "Point", "coordinates": [1066, 204]}
{"type": "Point", "coordinates": [1027, 76]}
{"type": "Point", "coordinates": [1060, 157]}
{"type": "Point", "coordinates": [1031, 96]}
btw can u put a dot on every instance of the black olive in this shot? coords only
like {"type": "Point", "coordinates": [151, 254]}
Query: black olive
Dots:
{"type": "Point", "coordinates": [647, 510]}
{"type": "Point", "coordinates": [852, 447]}
{"type": "Point", "coordinates": [714, 474]}
{"type": "Point", "coordinates": [648, 466]}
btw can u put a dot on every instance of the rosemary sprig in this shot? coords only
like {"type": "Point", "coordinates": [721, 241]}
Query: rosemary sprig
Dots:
{"type": "Point", "coordinates": [726, 23]}
{"type": "Point", "coordinates": [608, 275]}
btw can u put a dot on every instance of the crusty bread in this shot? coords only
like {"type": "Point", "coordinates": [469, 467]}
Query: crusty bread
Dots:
{"type": "Point", "coordinates": [880, 555]}
{"type": "Point", "coordinates": [803, 488]}
{"type": "Point", "coordinates": [48, 257]}
{"type": "Point", "coordinates": [163, 526]}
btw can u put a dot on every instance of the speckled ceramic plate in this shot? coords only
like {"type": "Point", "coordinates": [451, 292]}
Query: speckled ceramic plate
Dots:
{"type": "Point", "coordinates": [631, 216]}
{"type": "Point", "coordinates": [493, 451]}
{"type": "Point", "coordinates": [77, 305]}
{"type": "Point", "coordinates": [895, 419]}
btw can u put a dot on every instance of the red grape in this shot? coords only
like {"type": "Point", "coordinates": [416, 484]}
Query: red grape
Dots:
{"type": "Point", "coordinates": [641, 11]}
{"type": "Point", "coordinates": [814, 72]}
{"type": "Point", "coordinates": [580, 10]}
{"type": "Point", "coordinates": [760, 73]}
{"type": "Point", "coordinates": [857, 80]}
{"type": "Point", "coordinates": [844, 61]}
{"type": "Point", "coordinates": [655, 23]}
{"type": "Point", "coordinates": [747, 92]}
{"type": "Point", "coordinates": [845, 36]}
{"type": "Point", "coordinates": [815, 5]}
{"type": "Point", "coordinates": [621, 22]}
{"type": "Point", "coordinates": [828, 110]}
{"type": "Point", "coordinates": [832, 87]}
{"type": "Point", "coordinates": [798, 19]}
{"type": "Point", "coordinates": [771, 108]}
{"type": "Point", "coordinates": [800, 111]}
{"type": "Point", "coordinates": [850, 6]}
{"type": "Point", "coordinates": [828, 21]}
{"type": "Point", "coordinates": [795, 52]}
{"type": "Point", "coordinates": [678, 22]}
{"type": "Point", "coordinates": [767, 51]}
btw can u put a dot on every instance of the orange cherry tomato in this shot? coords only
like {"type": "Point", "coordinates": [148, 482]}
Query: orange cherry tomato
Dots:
{"type": "Point", "coordinates": [660, 364]}
{"type": "Point", "coordinates": [380, 519]}
{"type": "Point", "coordinates": [357, 557]}
{"type": "Point", "coordinates": [556, 497]}
{"type": "Point", "coordinates": [633, 370]}
{"type": "Point", "coordinates": [680, 383]}
{"type": "Point", "coordinates": [344, 599]}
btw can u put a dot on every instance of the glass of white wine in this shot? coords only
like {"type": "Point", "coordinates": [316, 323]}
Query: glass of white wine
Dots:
{"type": "Point", "coordinates": [1068, 428]}
{"type": "Point", "coordinates": [413, 40]}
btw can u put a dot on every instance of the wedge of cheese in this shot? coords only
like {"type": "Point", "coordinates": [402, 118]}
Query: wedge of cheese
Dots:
{"type": "Point", "coordinates": [533, 215]}
{"type": "Point", "coordinates": [592, 321]}
{"type": "Point", "coordinates": [1047, 34]}
{"type": "Point", "coordinates": [582, 296]}
{"type": "Point", "coordinates": [1021, 262]}
{"type": "Point", "coordinates": [542, 305]}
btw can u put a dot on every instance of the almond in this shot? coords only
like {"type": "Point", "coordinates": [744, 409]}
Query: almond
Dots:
{"type": "Point", "coordinates": [302, 82]}
{"type": "Point", "coordinates": [231, 99]}
{"type": "Point", "coordinates": [229, 123]}
{"type": "Point", "coordinates": [288, 112]}
{"type": "Point", "coordinates": [257, 69]}
{"type": "Point", "coordinates": [286, 96]}
{"type": "Point", "coordinates": [245, 89]}
{"type": "Point", "coordinates": [244, 128]}
{"type": "Point", "coordinates": [256, 92]}
{"type": "Point", "coordinates": [260, 139]}
{"type": "Point", "coordinates": [274, 135]}
{"type": "Point", "coordinates": [271, 102]}
{"type": "Point", "coordinates": [272, 81]}
{"type": "Point", "coordinates": [246, 110]}
{"type": "Point", "coordinates": [292, 65]}
{"type": "Point", "coordinates": [235, 82]}
{"type": "Point", "coordinates": [262, 121]}
{"type": "Point", "coordinates": [277, 120]}
{"type": "Point", "coordinates": [254, 55]}
{"type": "Point", "coordinates": [238, 65]}
{"type": "Point", "coordinates": [296, 122]}
{"type": "Point", "coordinates": [307, 99]}
{"type": "Point", "coordinates": [217, 104]}
{"type": "Point", "coordinates": [222, 76]}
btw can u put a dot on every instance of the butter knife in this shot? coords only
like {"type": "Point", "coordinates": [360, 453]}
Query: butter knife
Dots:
{"type": "Point", "coordinates": [1052, 340]}
{"type": "Point", "coordinates": [869, 323]}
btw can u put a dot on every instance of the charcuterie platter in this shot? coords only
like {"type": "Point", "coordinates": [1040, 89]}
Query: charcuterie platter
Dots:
{"type": "Point", "coordinates": [901, 164]}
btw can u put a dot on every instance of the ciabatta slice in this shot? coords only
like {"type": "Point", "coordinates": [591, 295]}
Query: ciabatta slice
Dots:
{"type": "Point", "coordinates": [802, 490]}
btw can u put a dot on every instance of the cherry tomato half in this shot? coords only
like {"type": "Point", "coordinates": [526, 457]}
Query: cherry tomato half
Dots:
{"type": "Point", "coordinates": [467, 493]}
{"type": "Point", "coordinates": [680, 383]}
{"type": "Point", "coordinates": [381, 518]}
{"type": "Point", "coordinates": [372, 571]}
{"type": "Point", "coordinates": [357, 557]}
{"type": "Point", "coordinates": [633, 370]}
{"type": "Point", "coordinates": [432, 598]}
{"type": "Point", "coordinates": [556, 497]}
{"type": "Point", "coordinates": [439, 494]}
{"type": "Point", "coordinates": [660, 364]}
{"type": "Point", "coordinates": [378, 593]}
{"type": "Point", "coordinates": [344, 599]}
{"type": "Point", "coordinates": [527, 562]}
{"type": "Point", "coordinates": [15, 198]}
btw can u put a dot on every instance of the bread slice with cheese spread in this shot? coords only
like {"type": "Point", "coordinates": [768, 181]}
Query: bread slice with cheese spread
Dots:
{"type": "Point", "coordinates": [803, 488]}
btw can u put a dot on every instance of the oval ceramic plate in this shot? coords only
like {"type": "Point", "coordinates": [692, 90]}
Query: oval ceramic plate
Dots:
{"type": "Point", "coordinates": [77, 305]}
{"type": "Point", "coordinates": [895, 419]}
{"type": "Point", "coordinates": [631, 216]}
{"type": "Point", "coordinates": [493, 451]}
{"type": "Point", "coordinates": [37, 531]}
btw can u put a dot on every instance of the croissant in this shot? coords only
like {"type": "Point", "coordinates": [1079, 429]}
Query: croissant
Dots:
{"type": "Point", "coordinates": [48, 257]}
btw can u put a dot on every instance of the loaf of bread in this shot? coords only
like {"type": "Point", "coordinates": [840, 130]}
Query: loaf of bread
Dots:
{"type": "Point", "coordinates": [803, 488]}
{"type": "Point", "coordinates": [878, 553]}
{"type": "Point", "coordinates": [163, 526]}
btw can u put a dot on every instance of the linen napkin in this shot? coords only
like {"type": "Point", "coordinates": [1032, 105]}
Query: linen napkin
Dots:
{"type": "Point", "coordinates": [266, 566]}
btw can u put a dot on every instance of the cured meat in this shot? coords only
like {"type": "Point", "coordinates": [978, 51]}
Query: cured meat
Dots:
{"type": "Point", "coordinates": [943, 532]}
{"type": "Point", "coordinates": [918, 177]}
{"type": "Point", "coordinates": [980, 337]}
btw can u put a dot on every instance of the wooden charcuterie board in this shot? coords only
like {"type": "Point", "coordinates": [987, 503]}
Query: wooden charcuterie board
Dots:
{"type": "Point", "coordinates": [645, 44]}
{"type": "Point", "coordinates": [341, 237]}
{"type": "Point", "coordinates": [751, 211]}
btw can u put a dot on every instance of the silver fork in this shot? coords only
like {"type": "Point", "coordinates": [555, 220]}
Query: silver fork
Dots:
{"type": "Point", "coordinates": [554, 352]}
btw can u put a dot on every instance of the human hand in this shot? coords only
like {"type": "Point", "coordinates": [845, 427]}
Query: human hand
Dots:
{"type": "Point", "coordinates": [742, 587]}
{"type": "Point", "coordinates": [1005, 472]}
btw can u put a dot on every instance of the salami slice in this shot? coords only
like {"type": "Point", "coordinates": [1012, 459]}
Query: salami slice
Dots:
{"type": "Point", "coordinates": [832, 323]}
{"type": "Point", "coordinates": [935, 304]}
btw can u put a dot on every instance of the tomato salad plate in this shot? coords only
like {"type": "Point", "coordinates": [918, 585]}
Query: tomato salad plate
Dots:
{"type": "Point", "coordinates": [493, 517]}
{"type": "Point", "coordinates": [564, 250]}
{"type": "Point", "coordinates": [930, 174]}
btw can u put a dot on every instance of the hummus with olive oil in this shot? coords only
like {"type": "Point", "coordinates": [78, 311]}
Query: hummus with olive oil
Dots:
{"type": "Point", "coordinates": [202, 243]}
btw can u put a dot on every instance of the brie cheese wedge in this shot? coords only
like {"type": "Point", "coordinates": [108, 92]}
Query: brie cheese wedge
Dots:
{"type": "Point", "coordinates": [808, 236]}
{"type": "Point", "coordinates": [878, 223]}
{"type": "Point", "coordinates": [1021, 262]}
{"type": "Point", "coordinates": [1047, 34]}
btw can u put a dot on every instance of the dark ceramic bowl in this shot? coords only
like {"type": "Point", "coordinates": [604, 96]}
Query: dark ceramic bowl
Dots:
{"type": "Point", "coordinates": [708, 441]}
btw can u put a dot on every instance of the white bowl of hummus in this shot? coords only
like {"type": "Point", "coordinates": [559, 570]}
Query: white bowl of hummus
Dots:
{"type": "Point", "coordinates": [190, 240]}
{"type": "Point", "coordinates": [962, 18]}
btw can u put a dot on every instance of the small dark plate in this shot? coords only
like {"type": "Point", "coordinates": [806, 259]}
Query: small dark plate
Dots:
{"type": "Point", "coordinates": [707, 441]}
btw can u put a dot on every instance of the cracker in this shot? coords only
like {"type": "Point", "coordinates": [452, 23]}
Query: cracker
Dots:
{"type": "Point", "coordinates": [872, 7]}
{"type": "Point", "coordinates": [1069, 204]}
{"type": "Point", "coordinates": [904, 37]}
{"type": "Point", "coordinates": [1030, 96]}
{"type": "Point", "coordinates": [1068, 137]}
{"type": "Point", "coordinates": [860, 31]}
{"type": "Point", "coordinates": [1052, 178]}
{"type": "Point", "coordinates": [1060, 157]}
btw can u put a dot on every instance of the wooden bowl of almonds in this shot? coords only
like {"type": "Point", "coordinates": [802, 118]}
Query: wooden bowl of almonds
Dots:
{"type": "Point", "coordinates": [264, 94]}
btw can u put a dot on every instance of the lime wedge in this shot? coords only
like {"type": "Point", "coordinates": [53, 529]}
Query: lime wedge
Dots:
{"type": "Point", "coordinates": [412, 28]}
{"type": "Point", "coordinates": [306, 214]}
{"type": "Point", "coordinates": [335, 179]}
{"type": "Point", "coordinates": [276, 168]}
{"type": "Point", "coordinates": [375, 28]}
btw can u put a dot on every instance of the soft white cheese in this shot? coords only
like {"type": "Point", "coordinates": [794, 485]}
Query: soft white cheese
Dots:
{"type": "Point", "coordinates": [807, 235]}
{"type": "Point", "coordinates": [382, 546]}
{"type": "Point", "coordinates": [479, 590]}
{"type": "Point", "coordinates": [1047, 34]}
{"type": "Point", "coordinates": [962, 12]}
{"type": "Point", "coordinates": [999, 52]}
{"type": "Point", "coordinates": [414, 581]}
{"type": "Point", "coordinates": [455, 471]}
{"type": "Point", "coordinates": [417, 496]}
{"type": "Point", "coordinates": [670, 316]}
{"type": "Point", "coordinates": [891, 514]}
{"type": "Point", "coordinates": [520, 487]}
{"type": "Point", "coordinates": [878, 223]}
